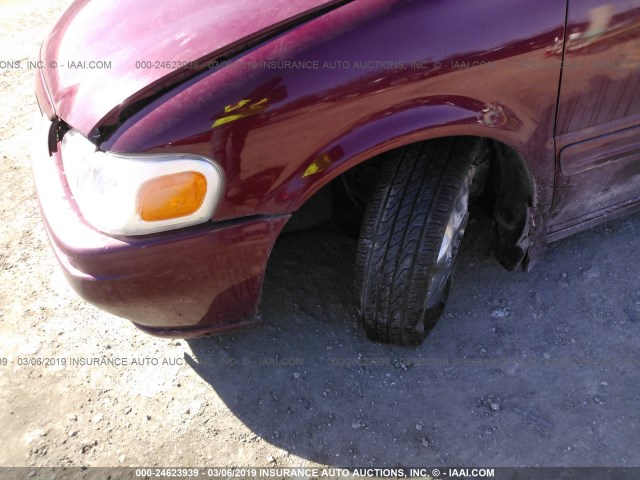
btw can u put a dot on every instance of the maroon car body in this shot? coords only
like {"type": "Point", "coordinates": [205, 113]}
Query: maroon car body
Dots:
{"type": "Point", "coordinates": [287, 95]}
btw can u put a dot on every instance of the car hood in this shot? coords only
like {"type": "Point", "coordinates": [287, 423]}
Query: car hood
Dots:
{"type": "Point", "coordinates": [103, 53]}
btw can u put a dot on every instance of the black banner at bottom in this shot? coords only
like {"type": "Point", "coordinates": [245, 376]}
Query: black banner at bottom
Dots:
{"type": "Point", "coordinates": [329, 473]}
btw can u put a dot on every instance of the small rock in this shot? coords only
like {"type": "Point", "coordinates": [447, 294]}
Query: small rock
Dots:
{"type": "Point", "coordinates": [87, 445]}
{"type": "Point", "coordinates": [97, 418]}
{"type": "Point", "coordinates": [425, 442]}
{"type": "Point", "coordinates": [73, 433]}
{"type": "Point", "coordinates": [296, 375]}
{"type": "Point", "coordinates": [598, 400]}
{"type": "Point", "coordinates": [501, 313]}
{"type": "Point", "coordinates": [195, 408]}
{"type": "Point", "coordinates": [546, 356]}
{"type": "Point", "coordinates": [494, 406]}
{"type": "Point", "coordinates": [72, 417]}
{"type": "Point", "coordinates": [356, 425]}
{"type": "Point", "coordinates": [127, 410]}
{"type": "Point", "coordinates": [270, 459]}
{"type": "Point", "coordinates": [40, 451]}
{"type": "Point", "coordinates": [418, 426]}
{"type": "Point", "coordinates": [122, 458]}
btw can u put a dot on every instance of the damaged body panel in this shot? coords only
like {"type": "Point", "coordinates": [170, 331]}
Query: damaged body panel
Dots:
{"type": "Point", "coordinates": [598, 125]}
{"type": "Point", "coordinates": [287, 95]}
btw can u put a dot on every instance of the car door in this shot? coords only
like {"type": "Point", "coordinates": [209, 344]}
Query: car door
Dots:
{"type": "Point", "coordinates": [598, 121]}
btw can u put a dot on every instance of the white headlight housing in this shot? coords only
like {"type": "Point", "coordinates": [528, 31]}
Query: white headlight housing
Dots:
{"type": "Point", "coordinates": [139, 194]}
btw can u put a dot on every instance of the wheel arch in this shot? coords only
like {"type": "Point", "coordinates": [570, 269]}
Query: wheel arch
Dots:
{"type": "Point", "coordinates": [518, 224]}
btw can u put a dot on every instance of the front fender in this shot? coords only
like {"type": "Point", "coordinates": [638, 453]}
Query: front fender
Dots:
{"type": "Point", "coordinates": [285, 118]}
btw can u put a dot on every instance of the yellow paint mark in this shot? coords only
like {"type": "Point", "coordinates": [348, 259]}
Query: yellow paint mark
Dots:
{"type": "Point", "coordinates": [320, 164]}
{"type": "Point", "coordinates": [244, 108]}
{"type": "Point", "coordinates": [229, 119]}
{"type": "Point", "coordinates": [240, 104]}
{"type": "Point", "coordinates": [261, 105]}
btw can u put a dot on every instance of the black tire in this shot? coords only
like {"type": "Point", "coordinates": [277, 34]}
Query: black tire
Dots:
{"type": "Point", "coordinates": [403, 280]}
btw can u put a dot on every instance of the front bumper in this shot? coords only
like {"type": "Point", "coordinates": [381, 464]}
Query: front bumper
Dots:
{"type": "Point", "coordinates": [201, 280]}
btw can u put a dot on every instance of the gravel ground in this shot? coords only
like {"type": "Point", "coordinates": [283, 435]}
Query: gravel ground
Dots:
{"type": "Point", "coordinates": [524, 369]}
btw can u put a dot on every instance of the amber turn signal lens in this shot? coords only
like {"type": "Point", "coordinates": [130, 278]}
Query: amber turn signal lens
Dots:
{"type": "Point", "coordinates": [172, 196]}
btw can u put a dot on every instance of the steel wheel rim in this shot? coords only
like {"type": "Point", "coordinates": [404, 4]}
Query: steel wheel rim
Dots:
{"type": "Point", "coordinates": [454, 231]}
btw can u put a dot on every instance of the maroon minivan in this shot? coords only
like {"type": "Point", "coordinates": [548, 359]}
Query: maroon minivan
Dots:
{"type": "Point", "coordinates": [177, 140]}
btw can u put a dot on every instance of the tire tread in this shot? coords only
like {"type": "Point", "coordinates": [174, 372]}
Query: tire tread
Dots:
{"type": "Point", "coordinates": [401, 235]}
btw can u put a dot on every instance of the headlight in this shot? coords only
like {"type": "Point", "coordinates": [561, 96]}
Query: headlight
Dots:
{"type": "Point", "coordinates": [139, 194]}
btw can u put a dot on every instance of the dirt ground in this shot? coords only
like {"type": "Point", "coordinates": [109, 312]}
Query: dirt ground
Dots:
{"type": "Point", "coordinates": [524, 369]}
